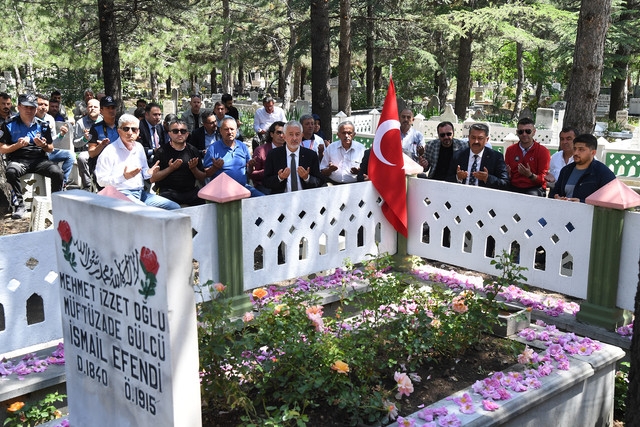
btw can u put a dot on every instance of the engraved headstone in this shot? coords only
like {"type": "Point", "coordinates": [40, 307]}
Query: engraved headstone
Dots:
{"type": "Point", "coordinates": [128, 311]}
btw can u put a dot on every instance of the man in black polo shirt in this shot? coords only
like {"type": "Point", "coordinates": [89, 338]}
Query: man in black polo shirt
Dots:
{"type": "Point", "coordinates": [180, 167]}
{"type": "Point", "coordinates": [26, 141]}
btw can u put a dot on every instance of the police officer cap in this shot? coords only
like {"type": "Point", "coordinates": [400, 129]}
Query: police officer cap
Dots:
{"type": "Point", "coordinates": [107, 101]}
{"type": "Point", "coordinates": [28, 100]}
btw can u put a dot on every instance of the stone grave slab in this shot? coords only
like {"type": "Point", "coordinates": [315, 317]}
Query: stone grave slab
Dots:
{"type": "Point", "coordinates": [128, 312]}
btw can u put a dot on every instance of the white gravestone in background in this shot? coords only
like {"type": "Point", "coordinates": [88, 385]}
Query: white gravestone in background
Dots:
{"type": "Point", "coordinates": [544, 118]}
{"type": "Point", "coordinates": [128, 313]}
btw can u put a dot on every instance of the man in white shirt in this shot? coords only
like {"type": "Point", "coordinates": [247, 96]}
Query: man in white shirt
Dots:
{"type": "Point", "coordinates": [309, 138]}
{"type": "Point", "coordinates": [412, 140]}
{"type": "Point", "coordinates": [562, 157]}
{"type": "Point", "coordinates": [266, 115]}
{"type": "Point", "coordinates": [123, 165]}
{"type": "Point", "coordinates": [341, 161]}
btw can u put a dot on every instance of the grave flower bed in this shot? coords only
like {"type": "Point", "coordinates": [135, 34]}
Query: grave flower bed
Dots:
{"type": "Point", "coordinates": [283, 361]}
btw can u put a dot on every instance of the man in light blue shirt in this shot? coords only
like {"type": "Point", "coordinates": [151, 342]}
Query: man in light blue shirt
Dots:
{"type": "Point", "coordinates": [230, 156]}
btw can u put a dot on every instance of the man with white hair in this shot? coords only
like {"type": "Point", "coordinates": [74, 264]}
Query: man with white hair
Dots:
{"type": "Point", "coordinates": [341, 160]}
{"type": "Point", "coordinates": [123, 165]}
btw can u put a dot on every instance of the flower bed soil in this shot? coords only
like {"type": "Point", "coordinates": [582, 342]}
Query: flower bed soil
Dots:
{"type": "Point", "coordinates": [439, 380]}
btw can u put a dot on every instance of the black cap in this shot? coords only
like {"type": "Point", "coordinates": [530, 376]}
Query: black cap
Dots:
{"type": "Point", "coordinates": [107, 101]}
{"type": "Point", "coordinates": [27, 99]}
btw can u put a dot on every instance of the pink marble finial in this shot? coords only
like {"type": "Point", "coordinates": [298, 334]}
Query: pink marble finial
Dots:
{"type": "Point", "coordinates": [223, 189]}
{"type": "Point", "coordinates": [110, 191]}
{"type": "Point", "coordinates": [614, 195]}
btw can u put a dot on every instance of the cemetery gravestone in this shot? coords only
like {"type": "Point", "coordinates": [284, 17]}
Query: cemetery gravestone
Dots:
{"type": "Point", "coordinates": [174, 98]}
{"type": "Point", "coordinates": [168, 107]}
{"type": "Point", "coordinates": [544, 118]}
{"type": "Point", "coordinates": [128, 313]}
{"type": "Point", "coordinates": [634, 106]}
{"type": "Point", "coordinates": [526, 112]}
{"type": "Point", "coordinates": [449, 115]}
{"type": "Point", "coordinates": [622, 117]}
{"type": "Point", "coordinates": [434, 104]}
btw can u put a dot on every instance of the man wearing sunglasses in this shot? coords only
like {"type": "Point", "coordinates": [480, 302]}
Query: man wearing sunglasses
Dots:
{"type": "Point", "coordinates": [527, 162]}
{"type": "Point", "coordinates": [123, 165]}
{"type": "Point", "coordinates": [439, 152]}
{"type": "Point", "coordinates": [180, 167]}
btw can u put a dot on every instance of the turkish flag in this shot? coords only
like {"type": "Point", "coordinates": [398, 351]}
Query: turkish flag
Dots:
{"type": "Point", "coordinates": [386, 164]}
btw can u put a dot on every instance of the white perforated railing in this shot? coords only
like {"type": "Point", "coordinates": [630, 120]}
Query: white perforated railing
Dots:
{"type": "Point", "coordinates": [467, 226]}
{"type": "Point", "coordinates": [319, 229]}
{"type": "Point", "coordinates": [629, 256]}
{"type": "Point", "coordinates": [295, 234]}
{"type": "Point", "coordinates": [29, 305]}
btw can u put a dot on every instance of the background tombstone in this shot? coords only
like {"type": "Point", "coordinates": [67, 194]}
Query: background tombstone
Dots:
{"type": "Point", "coordinates": [168, 107]}
{"type": "Point", "coordinates": [622, 117]}
{"type": "Point", "coordinates": [634, 106]}
{"type": "Point", "coordinates": [526, 112]}
{"type": "Point", "coordinates": [544, 118]}
{"type": "Point", "coordinates": [449, 115]}
{"type": "Point", "coordinates": [434, 103]}
{"type": "Point", "coordinates": [128, 311]}
{"type": "Point", "coordinates": [174, 98]}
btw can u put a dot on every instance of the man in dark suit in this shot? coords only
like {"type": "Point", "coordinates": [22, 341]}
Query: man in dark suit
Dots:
{"type": "Point", "coordinates": [206, 134]}
{"type": "Point", "coordinates": [151, 131]}
{"type": "Point", "coordinates": [479, 165]}
{"type": "Point", "coordinates": [292, 167]}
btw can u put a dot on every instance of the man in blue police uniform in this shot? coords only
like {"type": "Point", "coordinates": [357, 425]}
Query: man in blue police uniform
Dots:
{"type": "Point", "coordinates": [26, 141]}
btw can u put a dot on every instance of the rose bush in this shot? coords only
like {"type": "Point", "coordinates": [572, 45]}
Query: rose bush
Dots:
{"type": "Point", "coordinates": [291, 355]}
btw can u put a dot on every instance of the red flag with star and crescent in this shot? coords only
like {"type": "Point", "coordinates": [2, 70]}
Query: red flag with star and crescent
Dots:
{"type": "Point", "coordinates": [386, 164]}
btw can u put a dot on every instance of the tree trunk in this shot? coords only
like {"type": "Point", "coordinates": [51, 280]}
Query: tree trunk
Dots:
{"type": "Point", "coordinates": [280, 81]}
{"type": "Point", "coordinates": [241, 78]}
{"type": "Point", "coordinates": [16, 70]}
{"type": "Point", "coordinates": [168, 85]}
{"type": "Point", "coordinates": [344, 60]}
{"type": "Point", "coordinates": [320, 63]}
{"type": "Point", "coordinates": [588, 58]}
{"type": "Point", "coordinates": [520, 82]}
{"type": "Point", "coordinates": [303, 80]}
{"type": "Point", "coordinates": [110, 51]}
{"type": "Point", "coordinates": [441, 77]}
{"type": "Point", "coordinates": [463, 87]}
{"type": "Point", "coordinates": [153, 82]}
{"type": "Point", "coordinates": [632, 416]}
{"type": "Point", "coordinates": [214, 79]}
{"type": "Point", "coordinates": [291, 56]}
{"type": "Point", "coordinates": [226, 48]}
{"type": "Point", "coordinates": [370, 43]}
{"type": "Point", "coordinates": [377, 77]}
{"type": "Point", "coordinates": [297, 89]}
{"type": "Point", "coordinates": [619, 84]}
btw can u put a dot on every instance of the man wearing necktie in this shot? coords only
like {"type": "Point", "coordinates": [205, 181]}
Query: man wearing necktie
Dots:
{"type": "Point", "coordinates": [292, 167]}
{"type": "Point", "coordinates": [151, 132]}
{"type": "Point", "coordinates": [479, 165]}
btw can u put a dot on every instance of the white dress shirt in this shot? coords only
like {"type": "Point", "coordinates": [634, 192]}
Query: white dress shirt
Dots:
{"type": "Point", "coordinates": [344, 159]}
{"type": "Point", "coordinates": [112, 162]}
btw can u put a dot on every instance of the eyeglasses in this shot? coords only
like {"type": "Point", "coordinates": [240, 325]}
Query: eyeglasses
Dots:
{"type": "Point", "coordinates": [129, 128]}
{"type": "Point", "coordinates": [521, 131]}
{"type": "Point", "coordinates": [443, 134]}
{"type": "Point", "coordinates": [177, 131]}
